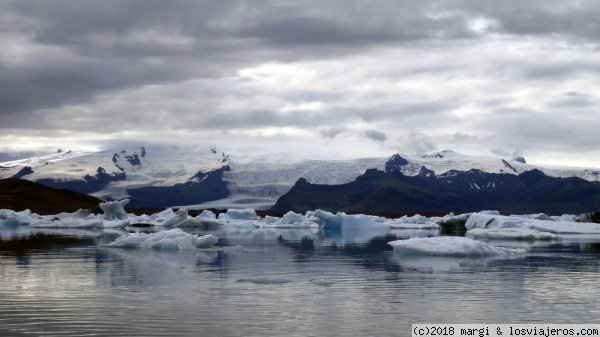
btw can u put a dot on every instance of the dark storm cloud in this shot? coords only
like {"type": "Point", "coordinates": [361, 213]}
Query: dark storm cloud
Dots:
{"type": "Point", "coordinates": [376, 135]}
{"type": "Point", "coordinates": [331, 132]}
{"type": "Point", "coordinates": [537, 17]}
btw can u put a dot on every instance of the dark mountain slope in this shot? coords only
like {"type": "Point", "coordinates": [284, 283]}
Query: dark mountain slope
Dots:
{"type": "Point", "coordinates": [20, 194]}
{"type": "Point", "coordinates": [454, 191]}
{"type": "Point", "coordinates": [375, 191]}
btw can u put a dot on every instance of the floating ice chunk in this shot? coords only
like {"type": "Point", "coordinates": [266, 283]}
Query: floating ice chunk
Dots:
{"type": "Point", "coordinates": [269, 220]}
{"type": "Point", "coordinates": [482, 220]}
{"type": "Point", "coordinates": [304, 224]}
{"type": "Point", "coordinates": [416, 221]}
{"type": "Point", "coordinates": [478, 220]}
{"type": "Point", "coordinates": [114, 210]}
{"type": "Point", "coordinates": [179, 216]}
{"type": "Point", "coordinates": [289, 220]}
{"type": "Point", "coordinates": [12, 219]}
{"type": "Point", "coordinates": [510, 234]}
{"type": "Point", "coordinates": [453, 222]}
{"type": "Point", "coordinates": [167, 213]}
{"type": "Point", "coordinates": [274, 280]}
{"type": "Point", "coordinates": [68, 223]}
{"type": "Point", "coordinates": [292, 218]}
{"type": "Point", "coordinates": [567, 218]}
{"type": "Point", "coordinates": [239, 214]}
{"type": "Point", "coordinates": [565, 227]}
{"type": "Point", "coordinates": [207, 214]}
{"type": "Point", "coordinates": [343, 221]}
{"type": "Point", "coordinates": [537, 216]}
{"type": "Point", "coordinates": [170, 239]}
{"type": "Point", "coordinates": [116, 223]}
{"type": "Point", "coordinates": [79, 214]}
{"type": "Point", "coordinates": [448, 246]}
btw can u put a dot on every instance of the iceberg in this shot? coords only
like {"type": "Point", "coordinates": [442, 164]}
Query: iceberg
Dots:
{"type": "Point", "coordinates": [341, 221]}
{"type": "Point", "coordinates": [206, 214]}
{"type": "Point", "coordinates": [114, 210]}
{"type": "Point", "coordinates": [179, 216]}
{"type": "Point", "coordinates": [239, 214]}
{"type": "Point", "coordinates": [448, 246]}
{"type": "Point", "coordinates": [487, 221]}
{"type": "Point", "coordinates": [12, 219]}
{"type": "Point", "coordinates": [289, 220]}
{"type": "Point", "coordinates": [169, 240]}
{"type": "Point", "coordinates": [415, 222]}
{"type": "Point", "coordinates": [116, 223]}
{"type": "Point", "coordinates": [510, 234]}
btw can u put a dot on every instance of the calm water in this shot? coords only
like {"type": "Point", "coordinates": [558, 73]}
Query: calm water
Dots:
{"type": "Point", "coordinates": [336, 284]}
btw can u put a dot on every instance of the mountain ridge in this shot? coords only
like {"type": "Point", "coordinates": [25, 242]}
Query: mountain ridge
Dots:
{"type": "Point", "coordinates": [393, 192]}
{"type": "Point", "coordinates": [160, 176]}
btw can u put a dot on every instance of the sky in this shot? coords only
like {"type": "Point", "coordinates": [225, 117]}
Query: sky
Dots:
{"type": "Point", "coordinates": [338, 79]}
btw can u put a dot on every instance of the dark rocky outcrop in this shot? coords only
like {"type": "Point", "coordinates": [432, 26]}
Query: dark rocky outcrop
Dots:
{"type": "Point", "coordinates": [23, 172]}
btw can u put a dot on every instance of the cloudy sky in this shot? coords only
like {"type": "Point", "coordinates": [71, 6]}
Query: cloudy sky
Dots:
{"type": "Point", "coordinates": [348, 78]}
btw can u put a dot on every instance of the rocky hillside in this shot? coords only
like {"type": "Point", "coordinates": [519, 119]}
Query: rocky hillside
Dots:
{"type": "Point", "coordinates": [20, 194]}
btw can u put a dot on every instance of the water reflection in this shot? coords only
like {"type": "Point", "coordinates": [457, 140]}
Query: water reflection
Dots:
{"type": "Point", "coordinates": [23, 246]}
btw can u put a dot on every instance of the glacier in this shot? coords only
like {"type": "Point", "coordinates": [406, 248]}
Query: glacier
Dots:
{"type": "Point", "coordinates": [248, 181]}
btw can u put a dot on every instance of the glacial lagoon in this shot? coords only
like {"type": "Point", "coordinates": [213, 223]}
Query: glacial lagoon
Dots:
{"type": "Point", "coordinates": [270, 281]}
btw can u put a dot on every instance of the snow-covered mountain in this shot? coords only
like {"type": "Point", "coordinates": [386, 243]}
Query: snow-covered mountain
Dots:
{"type": "Point", "coordinates": [169, 176]}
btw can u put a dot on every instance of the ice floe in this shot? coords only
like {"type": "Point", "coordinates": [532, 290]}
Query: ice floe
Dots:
{"type": "Point", "coordinates": [490, 221]}
{"type": "Point", "coordinates": [415, 222]}
{"type": "Point", "coordinates": [510, 234]}
{"type": "Point", "coordinates": [449, 246]}
{"type": "Point", "coordinates": [168, 239]}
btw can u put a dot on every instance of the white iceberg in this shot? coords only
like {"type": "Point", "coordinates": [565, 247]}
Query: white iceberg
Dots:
{"type": "Point", "coordinates": [487, 221]}
{"type": "Point", "coordinates": [239, 214]}
{"type": "Point", "coordinates": [343, 221]}
{"type": "Point", "coordinates": [289, 220]}
{"type": "Point", "coordinates": [169, 239]}
{"type": "Point", "coordinates": [448, 246]}
{"type": "Point", "coordinates": [510, 234]}
{"type": "Point", "coordinates": [114, 210]}
{"type": "Point", "coordinates": [179, 216]}
{"type": "Point", "coordinates": [12, 219]}
{"type": "Point", "coordinates": [207, 214]}
{"type": "Point", "coordinates": [415, 222]}
{"type": "Point", "coordinates": [79, 214]}
{"type": "Point", "coordinates": [116, 223]}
